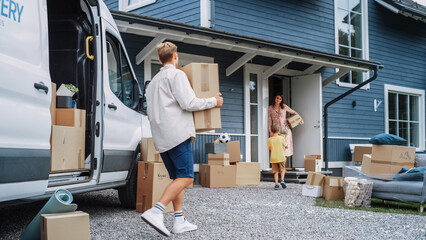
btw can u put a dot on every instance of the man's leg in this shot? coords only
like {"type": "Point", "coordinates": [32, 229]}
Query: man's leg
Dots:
{"type": "Point", "coordinates": [174, 192]}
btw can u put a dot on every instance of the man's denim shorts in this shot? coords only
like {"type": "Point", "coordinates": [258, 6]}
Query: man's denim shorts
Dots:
{"type": "Point", "coordinates": [179, 161]}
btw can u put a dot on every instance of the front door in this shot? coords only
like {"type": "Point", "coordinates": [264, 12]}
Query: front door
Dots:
{"type": "Point", "coordinates": [306, 99]}
{"type": "Point", "coordinates": [256, 121]}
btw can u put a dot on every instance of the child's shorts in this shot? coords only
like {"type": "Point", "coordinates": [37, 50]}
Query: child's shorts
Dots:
{"type": "Point", "coordinates": [278, 167]}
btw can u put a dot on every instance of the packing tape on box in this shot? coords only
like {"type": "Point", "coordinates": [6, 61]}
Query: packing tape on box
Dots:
{"type": "Point", "coordinates": [207, 118]}
{"type": "Point", "coordinates": [205, 78]}
{"type": "Point", "coordinates": [391, 163]}
{"type": "Point", "coordinates": [59, 202]}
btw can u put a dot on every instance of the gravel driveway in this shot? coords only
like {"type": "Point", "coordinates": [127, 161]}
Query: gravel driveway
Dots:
{"type": "Point", "coordinates": [252, 212]}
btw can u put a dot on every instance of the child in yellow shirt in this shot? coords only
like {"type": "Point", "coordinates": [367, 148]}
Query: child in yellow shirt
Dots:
{"type": "Point", "coordinates": [277, 143]}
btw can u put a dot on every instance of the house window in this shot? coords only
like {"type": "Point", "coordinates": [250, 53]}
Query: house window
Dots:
{"type": "Point", "coordinates": [405, 114]}
{"type": "Point", "coordinates": [351, 35]}
{"type": "Point", "coordinates": [128, 5]}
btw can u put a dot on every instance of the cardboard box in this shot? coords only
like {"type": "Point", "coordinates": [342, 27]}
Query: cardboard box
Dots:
{"type": "Point", "coordinates": [204, 79]}
{"type": "Point", "coordinates": [153, 178]}
{"type": "Point", "coordinates": [157, 158]}
{"type": "Point", "coordinates": [148, 150]}
{"type": "Point", "coordinates": [315, 179]}
{"type": "Point", "coordinates": [216, 148]}
{"type": "Point", "coordinates": [248, 173]}
{"type": "Point", "coordinates": [311, 191]}
{"type": "Point", "coordinates": [359, 152]}
{"type": "Point", "coordinates": [313, 163]}
{"type": "Point", "coordinates": [233, 149]}
{"type": "Point", "coordinates": [333, 188]}
{"type": "Point", "coordinates": [294, 120]}
{"type": "Point", "coordinates": [207, 120]}
{"type": "Point", "coordinates": [213, 176]}
{"type": "Point", "coordinates": [53, 104]}
{"type": "Point", "coordinates": [221, 159]}
{"type": "Point", "coordinates": [68, 145]}
{"type": "Point", "coordinates": [366, 163]}
{"type": "Point", "coordinates": [387, 160]}
{"type": "Point", "coordinates": [71, 117]}
{"type": "Point", "coordinates": [65, 226]}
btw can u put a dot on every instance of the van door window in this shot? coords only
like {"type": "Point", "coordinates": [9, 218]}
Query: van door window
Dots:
{"type": "Point", "coordinates": [121, 79]}
{"type": "Point", "coordinates": [128, 93]}
{"type": "Point", "coordinates": [114, 74]}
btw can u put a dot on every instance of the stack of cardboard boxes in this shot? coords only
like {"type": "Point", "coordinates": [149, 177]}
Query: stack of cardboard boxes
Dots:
{"type": "Point", "coordinates": [225, 169]}
{"type": "Point", "coordinates": [317, 185]}
{"type": "Point", "coordinates": [153, 178]}
{"type": "Point", "coordinates": [67, 137]}
{"type": "Point", "coordinates": [387, 160]}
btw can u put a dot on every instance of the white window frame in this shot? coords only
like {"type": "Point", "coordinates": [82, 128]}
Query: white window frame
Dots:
{"type": "Point", "coordinates": [205, 13]}
{"type": "Point", "coordinates": [123, 5]}
{"type": "Point", "coordinates": [365, 42]}
{"type": "Point", "coordinates": [410, 91]}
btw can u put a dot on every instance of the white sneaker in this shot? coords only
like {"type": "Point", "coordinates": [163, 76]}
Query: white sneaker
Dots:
{"type": "Point", "coordinates": [156, 221]}
{"type": "Point", "coordinates": [185, 226]}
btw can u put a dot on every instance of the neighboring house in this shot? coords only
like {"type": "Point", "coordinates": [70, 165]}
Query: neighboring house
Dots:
{"type": "Point", "coordinates": [311, 51]}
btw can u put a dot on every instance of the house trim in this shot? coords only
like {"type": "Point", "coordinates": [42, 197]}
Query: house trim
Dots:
{"type": "Point", "coordinates": [205, 13]}
{"type": "Point", "coordinates": [412, 91]}
{"type": "Point", "coordinates": [124, 6]}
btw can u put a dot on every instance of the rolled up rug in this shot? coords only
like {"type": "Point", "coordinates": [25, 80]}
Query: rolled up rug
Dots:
{"type": "Point", "coordinates": [60, 202]}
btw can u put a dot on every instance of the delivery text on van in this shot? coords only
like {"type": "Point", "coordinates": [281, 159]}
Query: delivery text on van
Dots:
{"type": "Point", "coordinates": [11, 9]}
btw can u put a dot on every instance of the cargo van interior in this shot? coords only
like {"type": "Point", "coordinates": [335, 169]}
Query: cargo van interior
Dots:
{"type": "Point", "coordinates": [69, 25]}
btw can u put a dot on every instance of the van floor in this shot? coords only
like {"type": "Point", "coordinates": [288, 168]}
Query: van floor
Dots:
{"type": "Point", "coordinates": [291, 176]}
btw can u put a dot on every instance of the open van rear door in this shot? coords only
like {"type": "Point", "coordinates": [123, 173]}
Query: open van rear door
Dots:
{"type": "Point", "coordinates": [25, 97]}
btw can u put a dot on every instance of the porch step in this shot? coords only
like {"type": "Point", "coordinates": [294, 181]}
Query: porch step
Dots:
{"type": "Point", "coordinates": [291, 176]}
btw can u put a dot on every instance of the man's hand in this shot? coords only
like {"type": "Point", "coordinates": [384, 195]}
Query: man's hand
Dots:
{"type": "Point", "coordinates": [219, 99]}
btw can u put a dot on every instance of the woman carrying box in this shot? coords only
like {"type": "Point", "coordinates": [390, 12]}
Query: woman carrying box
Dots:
{"type": "Point", "coordinates": [277, 114]}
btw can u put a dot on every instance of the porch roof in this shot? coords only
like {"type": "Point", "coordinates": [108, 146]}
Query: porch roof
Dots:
{"type": "Point", "coordinates": [287, 55]}
{"type": "Point", "coordinates": [408, 8]}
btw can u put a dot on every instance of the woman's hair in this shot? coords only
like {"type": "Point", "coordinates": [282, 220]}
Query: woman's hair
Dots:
{"type": "Point", "coordinates": [165, 51]}
{"type": "Point", "coordinates": [275, 128]}
{"type": "Point", "coordinates": [282, 100]}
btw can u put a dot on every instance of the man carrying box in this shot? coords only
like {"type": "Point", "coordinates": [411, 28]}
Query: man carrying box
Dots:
{"type": "Point", "coordinates": [170, 103]}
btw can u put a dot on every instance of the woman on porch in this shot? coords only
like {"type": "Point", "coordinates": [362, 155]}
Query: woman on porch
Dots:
{"type": "Point", "coordinates": [277, 114]}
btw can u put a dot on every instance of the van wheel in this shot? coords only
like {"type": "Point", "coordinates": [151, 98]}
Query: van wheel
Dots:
{"type": "Point", "coordinates": [127, 193]}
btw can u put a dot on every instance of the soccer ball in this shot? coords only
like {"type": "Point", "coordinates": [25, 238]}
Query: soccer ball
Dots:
{"type": "Point", "coordinates": [224, 138]}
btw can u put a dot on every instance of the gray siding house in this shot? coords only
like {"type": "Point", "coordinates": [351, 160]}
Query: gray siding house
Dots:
{"type": "Point", "coordinates": [310, 51]}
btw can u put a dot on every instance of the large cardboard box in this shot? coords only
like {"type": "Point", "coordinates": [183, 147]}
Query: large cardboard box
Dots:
{"type": "Point", "coordinates": [333, 188]}
{"type": "Point", "coordinates": [204, 79]}
{"type": "Point", "coordinates": [65, 226]}
{"type": "Point", "coordinates": [387, 160]}
{"type": "Point", "coordinates": [359, 152]}
{"type": "Point", "coordinates": [153, 178]}
{"type": "Point", "coordinates": [366, 163]}
{"type": "Point", "coordinates": [67, 148]}
{"type": "Point", "coordinates": [216, 148]}
{"type": "Point", "coordinates": [315, 179]}
{"type": "Point", "coordinates": [248, 173]}
{"type": "Point", "coordinates": [71, 117]}
{"type": "Point", "coordinates": [148, 151]}
{"type": "Point", "coordinates": [214, 176]}
{"type": "Point", "coordinates": [53, 104]}
{"type": "Point", "coordinates": [313, 163]}
{"type": "Point", "coordinates": [294, 120]}
{"type": "Point", "coordinates": [233, 149]}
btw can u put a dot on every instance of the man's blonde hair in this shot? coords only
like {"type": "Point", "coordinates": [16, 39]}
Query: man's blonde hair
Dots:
{"type": "Point", "coordinates": [165, 51]}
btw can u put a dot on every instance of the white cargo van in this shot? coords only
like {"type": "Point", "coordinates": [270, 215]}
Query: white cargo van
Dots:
{"type": "Point", "coordinates": [66, 42]}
